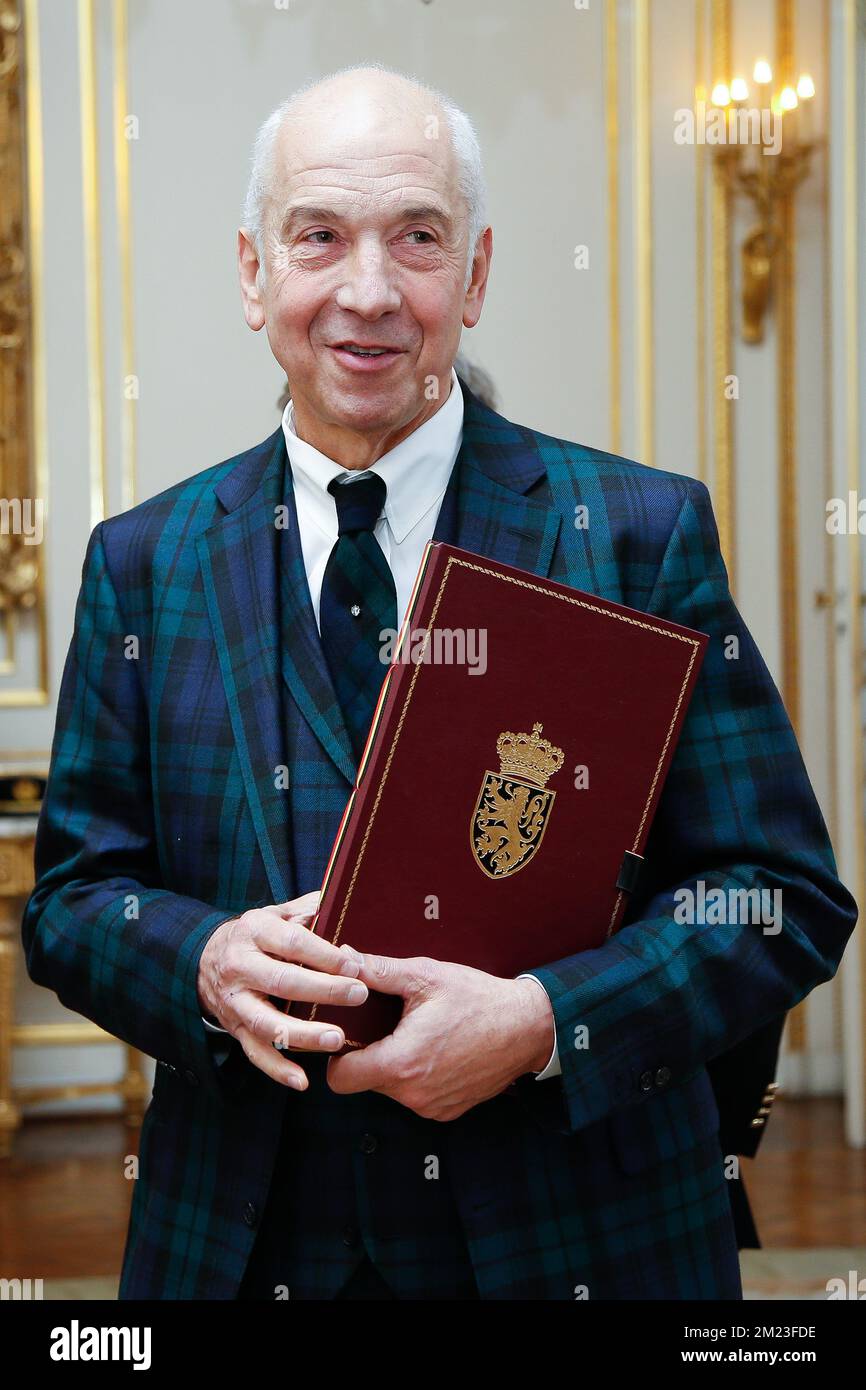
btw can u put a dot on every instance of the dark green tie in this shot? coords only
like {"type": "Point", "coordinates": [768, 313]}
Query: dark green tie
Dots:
{"type": "Point", "coordinates": [358, 605]}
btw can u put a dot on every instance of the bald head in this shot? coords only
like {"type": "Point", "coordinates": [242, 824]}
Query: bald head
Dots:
{"type": "Point", "coordinates": [377, 91]}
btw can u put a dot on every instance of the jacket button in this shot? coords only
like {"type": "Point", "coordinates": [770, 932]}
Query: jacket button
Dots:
{"type": "Point", "coordinates": [646, 1081]}
{"type": "Point", "coordinates": [369, 1144]}
{"type": "Point", "coordinates": [350, 1235]}
{"type": "Point", "coordinates": [663, 1076]}
{"type": "Point", "coordinates": [191, 1077]}
{"type": "Point", "coordinates": [251, 1216]}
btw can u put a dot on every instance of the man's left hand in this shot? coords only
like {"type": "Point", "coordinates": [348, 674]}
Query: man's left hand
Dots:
{"type": "Point", "coordinates": [464, 1036]}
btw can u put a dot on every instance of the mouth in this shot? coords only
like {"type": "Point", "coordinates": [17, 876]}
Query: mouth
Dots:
{"type": "Point", "coordinates": [365, 357]}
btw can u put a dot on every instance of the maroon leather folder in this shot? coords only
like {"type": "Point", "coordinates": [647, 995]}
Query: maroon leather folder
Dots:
{"type": "Point", "coordinates": [505, 794]}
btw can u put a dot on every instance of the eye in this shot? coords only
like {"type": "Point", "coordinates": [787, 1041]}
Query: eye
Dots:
{"type": "Point", "coordinates": [420, 232]}
{"type": "Point", "coordinates": [320, 232]}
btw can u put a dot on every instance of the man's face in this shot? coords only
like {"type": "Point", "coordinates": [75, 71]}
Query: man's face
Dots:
{"type": "Point", "coordinates": [364, 247]}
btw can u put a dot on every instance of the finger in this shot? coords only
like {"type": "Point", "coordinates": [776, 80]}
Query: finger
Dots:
{"type": "Point", "coordinates": [305, 906]}
{"type": "Point", "coordinates": [298, 983]}
{"type": "Point", "coordinates": [292, 941]}
{"type": "Point", "coordinates": [245, 1011]}
{"type": "Point", "coordinates": [268, 1060]}
{"type": "Point", "coordinates": [366, 1069]}
{"type": "Point", "coordinates": [271, 1026]}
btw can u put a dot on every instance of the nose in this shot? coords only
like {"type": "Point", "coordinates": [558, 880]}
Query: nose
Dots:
{"type": "Point", "coordinates": [369, 288]}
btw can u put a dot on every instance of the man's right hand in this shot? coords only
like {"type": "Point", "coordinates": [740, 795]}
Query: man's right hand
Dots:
{"type": "Point", "coordinates": [271, 951]}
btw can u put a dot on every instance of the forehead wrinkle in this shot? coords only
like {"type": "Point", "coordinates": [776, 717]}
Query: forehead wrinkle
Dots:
{"type": "Point", "coordinates": [322, 194]}
{"type": "Point", "coordinates": [357, 167]}
{"type": "Point", "coordinates": [382, 188]}
{"type": "Point", "coordinates": [354, 181]}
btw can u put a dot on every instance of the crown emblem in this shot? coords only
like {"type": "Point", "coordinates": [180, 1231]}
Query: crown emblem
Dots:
{"type": "Point", "coordinates": [528, 756]}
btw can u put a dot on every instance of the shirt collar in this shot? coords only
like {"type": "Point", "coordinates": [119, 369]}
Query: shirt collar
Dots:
{"type": "Point", "coordinates": [416, 471]}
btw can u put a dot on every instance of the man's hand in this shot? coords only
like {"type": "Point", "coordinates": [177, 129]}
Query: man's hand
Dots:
{"type": "Point", "coordinates": [464, 1036]}
{"type": "Point", "coordinates": [271, 951]}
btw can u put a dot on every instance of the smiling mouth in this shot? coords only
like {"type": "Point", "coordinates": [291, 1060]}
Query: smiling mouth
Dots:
{"type": "Point", "coordinates": [365, 357]}
{"type": "Point", "coordinates": [369, 350]}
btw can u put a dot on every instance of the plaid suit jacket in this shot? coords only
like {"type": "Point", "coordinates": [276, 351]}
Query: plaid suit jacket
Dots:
{"type": "Point", "coordinates": [163, 817]}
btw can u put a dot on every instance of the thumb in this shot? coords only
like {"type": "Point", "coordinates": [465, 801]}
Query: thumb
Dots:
{"type": "Point", "coordinates": [409, 976]}
{"type": "Point", "coordinates": [299, 907]}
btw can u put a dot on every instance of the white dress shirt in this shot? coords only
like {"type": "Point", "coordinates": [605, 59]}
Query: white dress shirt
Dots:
{"type": "Point", "coordinates": [416, 473]}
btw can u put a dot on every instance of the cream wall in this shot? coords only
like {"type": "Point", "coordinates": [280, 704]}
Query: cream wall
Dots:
{"type": "Point", "coordinates": [203, 73]}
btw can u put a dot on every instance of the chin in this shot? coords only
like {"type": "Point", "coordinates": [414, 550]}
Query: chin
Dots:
{"type": "Point", "coordinates": [380, 409]}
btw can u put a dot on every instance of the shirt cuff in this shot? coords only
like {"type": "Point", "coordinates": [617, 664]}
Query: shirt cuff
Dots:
{"type": "Point", "coordinates": [553, 1068]}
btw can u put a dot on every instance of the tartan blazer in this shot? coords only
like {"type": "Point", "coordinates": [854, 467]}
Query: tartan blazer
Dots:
{"type": "Point", "coordinates": [195, 673]}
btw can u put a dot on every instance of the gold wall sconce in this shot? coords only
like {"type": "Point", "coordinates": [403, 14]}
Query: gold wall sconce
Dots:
{"type": "Point", "coordinates": [766, 154]}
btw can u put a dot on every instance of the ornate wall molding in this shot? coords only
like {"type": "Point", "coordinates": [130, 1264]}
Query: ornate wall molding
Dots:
{"type": "Point", "coordinates": [22, 477]}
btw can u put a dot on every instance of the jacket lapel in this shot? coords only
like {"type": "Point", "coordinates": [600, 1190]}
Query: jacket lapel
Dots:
{"type": "Point", "coordinates": [485, 509]}
{"type": "Point", "coordinates": [239, 565]}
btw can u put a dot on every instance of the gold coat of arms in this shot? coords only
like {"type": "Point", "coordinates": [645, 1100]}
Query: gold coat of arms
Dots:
{"type": "Point", "coordinates": [513, 807]}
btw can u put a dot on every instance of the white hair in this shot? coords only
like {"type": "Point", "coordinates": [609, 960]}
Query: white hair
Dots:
{"type": "Point", "coordinates": [464, 142]}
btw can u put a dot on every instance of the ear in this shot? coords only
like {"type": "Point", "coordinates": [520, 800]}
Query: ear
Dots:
{"type": "Point", "coordinates": [478, 284]}
{"type": "Point", "coordinates": [248, 274]}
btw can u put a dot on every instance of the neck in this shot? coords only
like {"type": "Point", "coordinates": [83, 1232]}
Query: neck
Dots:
{"type": "Point", "coordinates": [350, 449]}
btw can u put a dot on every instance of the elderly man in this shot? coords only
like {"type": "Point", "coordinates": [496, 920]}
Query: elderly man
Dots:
{"type": "Point", "coordinates": [195, 791]}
